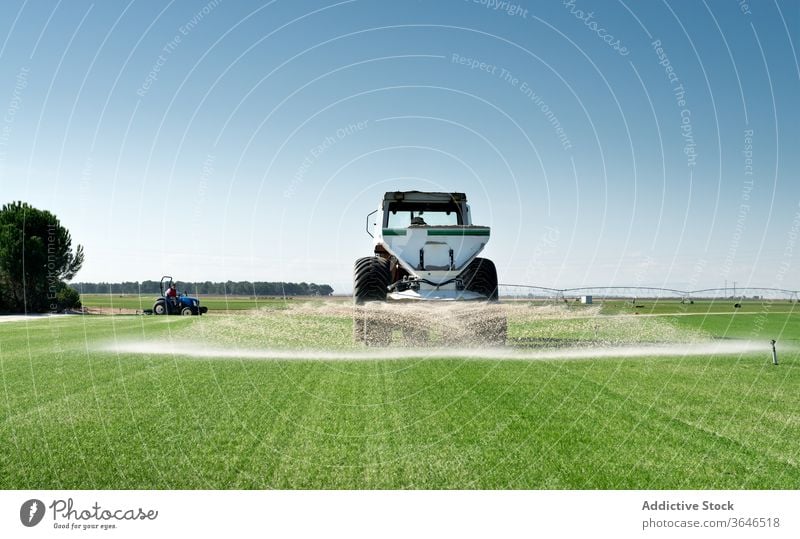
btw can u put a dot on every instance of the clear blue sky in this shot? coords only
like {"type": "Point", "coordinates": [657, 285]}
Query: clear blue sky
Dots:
{"type": "Point", "coordinates": [224, 140]}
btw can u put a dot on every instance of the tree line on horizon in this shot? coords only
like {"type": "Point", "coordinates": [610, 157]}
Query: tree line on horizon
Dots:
{"type": "Point", "coordinates": [227, 288]}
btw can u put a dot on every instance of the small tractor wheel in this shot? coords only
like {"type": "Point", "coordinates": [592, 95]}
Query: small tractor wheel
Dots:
{"type": "Point", "coordinates": [159, 308]}
{"type": "Point", "coordinates": [481, 277]}
{"type": "Point", "coordinates": [370, 279]}
{"type": "Point", "coordinates": [187, 311]}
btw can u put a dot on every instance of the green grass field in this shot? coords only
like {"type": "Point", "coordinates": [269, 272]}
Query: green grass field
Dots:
{"type": "Point", "coordinates": [74, 415]}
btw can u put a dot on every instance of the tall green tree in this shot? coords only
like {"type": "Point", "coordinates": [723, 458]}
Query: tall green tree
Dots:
{"type": "Point", "coordinates": [36, 258]}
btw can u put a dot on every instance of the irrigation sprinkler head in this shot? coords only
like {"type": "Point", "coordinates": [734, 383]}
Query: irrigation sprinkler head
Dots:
{"type": "Point", "coordinates": [774, 352]}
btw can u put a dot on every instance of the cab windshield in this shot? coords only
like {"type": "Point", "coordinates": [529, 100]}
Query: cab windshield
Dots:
{"type": "Point", "coordinates": [422, 218]}
{"type": "Point", "coordinates": [404, 215]}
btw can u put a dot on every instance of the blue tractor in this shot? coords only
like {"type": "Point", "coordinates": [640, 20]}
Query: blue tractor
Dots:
{"type": "Point", "coordinates": [181, 304]}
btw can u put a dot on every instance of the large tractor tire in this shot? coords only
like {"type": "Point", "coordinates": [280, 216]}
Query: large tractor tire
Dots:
{"type": "Point", "coordinates": [370, 282]}
{"type": "Point", "coordinates": [160, 308]}
{"type": "Point", "coordinates": [481, 277]}
{"type": "Point", "coordinates": [370, 279]}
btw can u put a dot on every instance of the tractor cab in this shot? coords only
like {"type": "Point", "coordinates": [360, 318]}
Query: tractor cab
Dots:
{"type": "Point", "coordinates": [181, 304]}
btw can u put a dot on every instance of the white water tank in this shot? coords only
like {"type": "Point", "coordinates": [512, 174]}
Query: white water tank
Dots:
{"type": "Point", "coordinates": [586, 300]}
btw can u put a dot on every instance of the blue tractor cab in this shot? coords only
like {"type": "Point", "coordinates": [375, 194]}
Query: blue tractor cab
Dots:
{"type": "Point", "coordinates": [182, 304]}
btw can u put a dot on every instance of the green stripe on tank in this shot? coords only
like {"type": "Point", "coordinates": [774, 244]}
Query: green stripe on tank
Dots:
{"type": "Point", "coordinates": [394, 231]}
{"type": "Point", "coordinates": [458, 232]}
